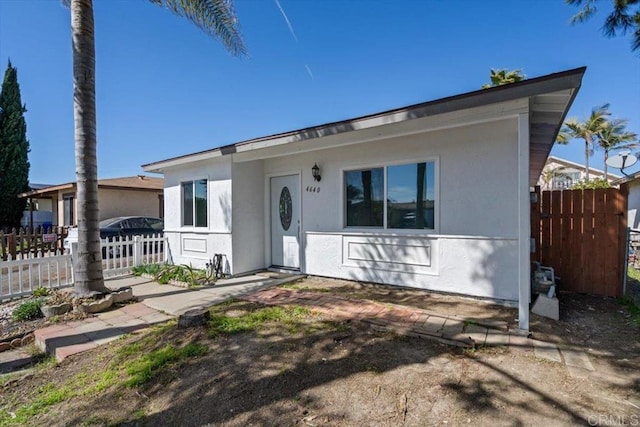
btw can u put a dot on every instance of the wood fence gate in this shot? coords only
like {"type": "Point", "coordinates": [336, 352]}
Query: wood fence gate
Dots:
{"type": "Point", "coordinates": [582, 235]}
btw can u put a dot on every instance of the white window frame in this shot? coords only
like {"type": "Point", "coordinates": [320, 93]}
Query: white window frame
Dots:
{"type": "Point", "coordinates": [385, 166]}
{"type": "Point", "coordinates": [72, 209]}
{"type": "Point", "coordinates": [182, 217]}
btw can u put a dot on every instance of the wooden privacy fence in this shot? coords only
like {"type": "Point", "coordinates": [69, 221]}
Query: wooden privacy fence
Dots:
{"type": "Point", "coordinates": [582, 235]}
{"type": "Point", "coordinates": [29, 244]}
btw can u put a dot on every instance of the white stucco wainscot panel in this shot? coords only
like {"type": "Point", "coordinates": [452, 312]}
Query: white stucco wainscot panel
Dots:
{"type": "Point", "coordinates": [387, 253]}
{"type": "Point", "coordinates": [483, 267]}
{"type": "Point", "coordinates": [197, 249]}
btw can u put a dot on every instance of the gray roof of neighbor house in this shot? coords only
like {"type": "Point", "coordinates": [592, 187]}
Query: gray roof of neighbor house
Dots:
{"type": "Point", "coordinates": [627, 178]}
{"type": "Point", "coordinates": [138, 182]}
{"type": "Point", "coordinates": [549, 96]}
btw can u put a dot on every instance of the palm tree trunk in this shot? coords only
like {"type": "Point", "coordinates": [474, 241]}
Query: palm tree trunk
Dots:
{"type": "Point", "coordinates": [586, 158]}
{"type": "Point", "coordinates": [87, 260]}
{"type": "Point", "coordinates": [606, 157]}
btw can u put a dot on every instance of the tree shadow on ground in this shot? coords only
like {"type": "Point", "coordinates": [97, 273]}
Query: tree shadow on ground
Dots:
{"type": "Point", "coordinates": [275, 375]}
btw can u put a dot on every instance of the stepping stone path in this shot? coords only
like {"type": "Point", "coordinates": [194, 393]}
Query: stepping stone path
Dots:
{"type": "Point", "coordinates": [403, 320]}
{"type": "Point", "coordinates": [14, 359]}
{"type": "Point", "coordinates": [577, 361]}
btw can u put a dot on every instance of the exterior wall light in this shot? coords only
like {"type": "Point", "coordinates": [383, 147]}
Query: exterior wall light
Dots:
{"type": "Point", "coordinates": [315, 171]}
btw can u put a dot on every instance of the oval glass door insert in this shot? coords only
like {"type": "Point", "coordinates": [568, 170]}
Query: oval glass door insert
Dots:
{"type": "Point", "coordinates": [286, 208]}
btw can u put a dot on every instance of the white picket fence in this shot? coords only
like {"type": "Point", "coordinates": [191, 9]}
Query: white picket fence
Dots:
{"type": "Point", "coordinates": [21, 277]}
{"type": "Point", "coordinates": [120, 255]}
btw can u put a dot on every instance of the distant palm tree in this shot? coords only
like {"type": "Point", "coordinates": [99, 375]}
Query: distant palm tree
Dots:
{"type": "Point", "coordinates": [614, 136]}
{"type": "Point", "coordinates": [503, 76]}
{"type": "Point", "coordinates": [214, 17]}
{"type": "Point", "coordinates": [549, 174]}
{"type": "Point", "coordinates": [587, 131]}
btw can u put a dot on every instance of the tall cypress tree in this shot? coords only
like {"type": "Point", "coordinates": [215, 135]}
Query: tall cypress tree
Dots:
{"type": "Point", "coordinates": [14, 149]}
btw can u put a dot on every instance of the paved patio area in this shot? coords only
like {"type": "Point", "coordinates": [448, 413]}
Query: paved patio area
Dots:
{"type": "Point", "coordinates": [157, 304]}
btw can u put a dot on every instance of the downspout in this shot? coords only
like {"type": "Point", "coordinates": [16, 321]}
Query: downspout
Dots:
{"type": "Point", "coordinates": [626, 262]}
{"type": "Point", "coordinates": [524, 225]}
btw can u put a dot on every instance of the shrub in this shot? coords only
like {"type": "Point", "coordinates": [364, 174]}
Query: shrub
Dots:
{"type": "Point", "coordinates": [41, 292]}
{"type": "Point", "coordinates": [150, 269]}
{"type": "Point", "coordinates": [164, 273]}
{"type": "Point", "coordinates": [28, 310]}
{"type": "Point", "coordinates": [591, 184]}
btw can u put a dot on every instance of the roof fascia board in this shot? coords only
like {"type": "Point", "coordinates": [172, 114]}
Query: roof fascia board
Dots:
{"type": "Point", "coordinates": [251, 155]}
{"type": "Point", "coordinates": [120, 187]}
{"type": "Point", "coordinates": [43, 191]}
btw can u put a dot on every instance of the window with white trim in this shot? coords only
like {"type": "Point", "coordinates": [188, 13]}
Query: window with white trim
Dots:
{"type": "Point", "coordinates": [68, 211]}
{"type": "Point", "coordinates": [194, 203]}
{"type": "Point", "coordinates": [409, 190]}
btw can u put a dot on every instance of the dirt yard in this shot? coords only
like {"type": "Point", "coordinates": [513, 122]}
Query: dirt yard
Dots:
{"type": "Point", "coordinates": [316, 371]}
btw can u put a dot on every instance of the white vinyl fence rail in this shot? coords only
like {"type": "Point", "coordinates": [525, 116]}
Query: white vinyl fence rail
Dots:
{"type": "Point", "coordinates": [119, 255]}
{"type": "Point", "coordinates": [21, 277]}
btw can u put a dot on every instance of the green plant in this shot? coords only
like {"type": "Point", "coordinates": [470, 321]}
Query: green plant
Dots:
{"type": "Point", "coordinates": [150, 269]}
{"type": "Point", "coordinates": [144, 368]}
{"type": "Point", "coordinates": [222, 324]}
{"type": "Point", "coordinates": [28, 310]}
{"type": "Point", "coordinates": [632, 308]}
{"type": "Point", "coordinates": [633, 273]}
{"type": "Point", "coordinates": [164, 273]}
{"type": "Point", "coordinates": [41, 292]}
{"type": "Point", "coordinates": [591, 184]}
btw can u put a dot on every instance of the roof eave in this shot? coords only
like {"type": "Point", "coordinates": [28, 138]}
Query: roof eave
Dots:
{"type": "Point", "coordinates": [570, 79]}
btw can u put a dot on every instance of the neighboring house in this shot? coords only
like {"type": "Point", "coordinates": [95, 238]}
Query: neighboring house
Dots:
{"type": "Point", "coordinates": [633, 201]}
{"type": "Point", "coordinates": [134, 195]}
{"type": "Point", "coordinates": [561, 174]}
{"type": "Point", "coordinates": [433, 196]}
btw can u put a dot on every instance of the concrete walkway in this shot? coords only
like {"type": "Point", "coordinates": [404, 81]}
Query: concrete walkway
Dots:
{"type": "Point", "coordinates": [157, 304]}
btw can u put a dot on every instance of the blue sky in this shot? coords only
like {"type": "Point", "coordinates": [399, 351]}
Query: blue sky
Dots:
{"type": "Point", "coordinates": [165, 89]}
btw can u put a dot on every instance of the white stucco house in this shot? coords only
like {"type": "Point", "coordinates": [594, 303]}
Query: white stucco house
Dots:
{"type": "Point", "coordinates": [561, 174]}
{"type": "Point", "coordinates": [633, 202]}
{"type": "Point", "coordinates": [433, 196]}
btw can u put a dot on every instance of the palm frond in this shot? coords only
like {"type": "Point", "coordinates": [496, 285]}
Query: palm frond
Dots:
{"type": "Point", "coordinates": [629, 146]}
{"type": "Point", "coordinates": [615, 136]}
{"type": "Point", "coordinates": [619, 19]}
{"type": "Point", "coordinates": [585, 13]}
{"type": "Point", "coordinates": [217, 18]}
{"type": "Point", "coordinates": [635, 42]}
{"type": "Point", "coordinates": [503, 76]}
{"type": "Point", "coordinates": [563, 137]}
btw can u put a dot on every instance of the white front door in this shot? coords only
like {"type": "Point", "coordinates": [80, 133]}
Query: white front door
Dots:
{"type": "Point", "coordinates": [285, 221]}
